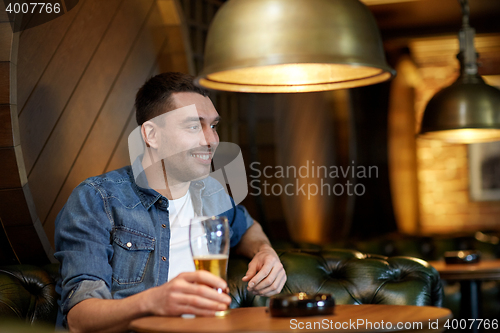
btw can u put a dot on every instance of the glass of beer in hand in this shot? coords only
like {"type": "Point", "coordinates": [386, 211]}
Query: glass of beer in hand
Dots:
{"type": "Point", "coordinates": [209, 242]}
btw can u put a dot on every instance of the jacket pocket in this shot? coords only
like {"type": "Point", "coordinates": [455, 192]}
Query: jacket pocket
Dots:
{"type": "Point", "coordinates": [132, 252]}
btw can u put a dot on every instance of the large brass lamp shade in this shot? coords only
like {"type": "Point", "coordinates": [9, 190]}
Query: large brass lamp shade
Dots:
{"type": "Point", "coordinates": [468, 111]}
{"type": "Point", "coordinates": [293, 46]}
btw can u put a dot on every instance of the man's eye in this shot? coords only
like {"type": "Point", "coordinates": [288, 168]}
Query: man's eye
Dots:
{"type": "Point", "coordinates": [194, 127]}
{"type": "Point", "coordinates": [214, 126]}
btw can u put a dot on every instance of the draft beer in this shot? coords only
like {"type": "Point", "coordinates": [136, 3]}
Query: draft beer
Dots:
{"type": "Point", "coordinates": [209, 243]}
{"type": "Point", "coordinates": [215, 264]}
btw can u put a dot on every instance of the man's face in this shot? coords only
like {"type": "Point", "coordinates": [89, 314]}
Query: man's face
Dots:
{"type": "Point", "coordinates": [188, 137]}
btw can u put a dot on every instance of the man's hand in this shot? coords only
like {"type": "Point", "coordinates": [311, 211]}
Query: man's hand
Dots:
{"type": "Point", "coordinates": [265, 274]}
{"type": "Point", "coordinates": [190, 293]}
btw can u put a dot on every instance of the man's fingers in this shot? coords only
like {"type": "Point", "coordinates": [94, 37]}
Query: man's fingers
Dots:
{"type": "Point", "coordinates": [205, 292]}
{"type": "Point", "coordinates": [252, 269]}
{"type": "Point", "coordinates": [275, 287]}
{"type": "Point", "coordinates": [197, 302]}
{"type": "Point", "coordinates": [204, 277]}
{"type": "Point", "coordinates": [202, 312]}
{"type": "Point", "coordinates": [201, 289]}
{"type": "Point", "coordinates": [260, 276]}
{"type": "Point", "coordinates": [266, 276]}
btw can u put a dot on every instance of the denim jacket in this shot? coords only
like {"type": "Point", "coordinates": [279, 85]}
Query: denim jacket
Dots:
{"type": "Point", "coordinates": [112, 236]}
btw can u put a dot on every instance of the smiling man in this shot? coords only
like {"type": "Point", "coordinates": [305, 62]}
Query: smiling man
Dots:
{"type": "Point", "coordinates": [122, 237]}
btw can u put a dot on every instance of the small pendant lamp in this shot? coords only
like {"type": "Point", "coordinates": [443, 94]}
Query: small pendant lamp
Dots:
{"type": "Point", "coordinates": [468, 111]}
{"type": "Point", "coordinates": [274, 46]}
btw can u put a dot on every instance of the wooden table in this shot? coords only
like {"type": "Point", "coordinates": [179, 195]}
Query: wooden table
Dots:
{"type": "Point", "coordinates": [470, 277]}
{"type": "Point", "coordinates": [347, 318]}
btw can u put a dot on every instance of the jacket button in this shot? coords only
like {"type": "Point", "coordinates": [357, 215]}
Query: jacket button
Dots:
{"type": "Point", "coordinates": [163, 258]}
{"type": "Point", "coordinates": [129, 244]}
{"type": "Point", "coordinates": [163, 225]}
{"type": "Point", "coordinates": [160, 202]}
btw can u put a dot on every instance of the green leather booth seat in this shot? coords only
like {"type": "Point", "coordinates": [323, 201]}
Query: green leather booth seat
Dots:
{"type": "Point", "coordinates": [350, 276]}
{"type": "Point", "coordinates": [429, 248]}
{"type": "Point", "coordinates": [28, 292]}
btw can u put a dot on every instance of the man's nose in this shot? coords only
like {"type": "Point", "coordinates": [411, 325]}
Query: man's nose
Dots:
{"type": "Point", "coordinates": [209, 137]}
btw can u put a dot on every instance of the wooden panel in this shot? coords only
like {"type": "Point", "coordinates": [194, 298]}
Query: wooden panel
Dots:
{"type": "Point", "coordinates": [120, 156]}
{"type": "Point", "coordinates": [174, 57]}
{"type": "Point", "coordinates": [6, 37]}
{"type": "Point", "coordinates": [45, 104]}
{"type": "Point", "coordinates": [106, 131]}
{"type": "Point", "coordinates": [28, 247]}
{"type": "Point", "coordinates": [9, 132]}
{"type": "Point", "coordinates": [40, 43]}
{"type": "Point", "coordinates": [7, 254]}
{"type": "Point", "coordinates": [5, 82]}
{"type": "Point", "coordinates": [65, 142]}
{"type": "Point", "coordinates": [15, 209]}
{"type": "Point", "coordinates": [169, 12]}
{"type": "Point", "coordinates": [4, 17]}
{"type": "Point", "coordinates": [11, 168]}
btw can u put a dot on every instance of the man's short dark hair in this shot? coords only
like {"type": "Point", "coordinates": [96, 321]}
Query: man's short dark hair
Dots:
{"type": "Point", "coordinates": [154, 97]}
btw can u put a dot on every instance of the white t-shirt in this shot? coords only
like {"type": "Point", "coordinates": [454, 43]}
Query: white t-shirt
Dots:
{"type": "Point", "coordinates": [180, 214]}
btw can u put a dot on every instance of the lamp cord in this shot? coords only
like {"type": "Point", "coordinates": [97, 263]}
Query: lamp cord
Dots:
{"type": "Point", "coordinates": [465, 12]}
{"type": "Point", "coordinates": [467, 55]}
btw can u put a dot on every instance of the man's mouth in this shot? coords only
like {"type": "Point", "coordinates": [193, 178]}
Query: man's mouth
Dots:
{"type": "Point", "coordinates": [205, 156]}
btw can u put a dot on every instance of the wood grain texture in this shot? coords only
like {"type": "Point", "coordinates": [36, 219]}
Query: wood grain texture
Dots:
{"type": "Point", "coordinates": [256, 320]}
{"type": "Point", "coordinates": [70, 132]}
{"type": "Point", "coordinates": [9, 129]}
{"type": "Point", "coordinates": [120, 156]}
{"type": "Point", "coordinates": [40, 42]}
{"type": "Point", "coordinates": [12, 168]}
{"type": "Point", "coordinates": [46, 103]}
{"type": "Point", "coordinates": [4, 17]}
{"type": "Point", "coordinates": [15, 207]}
{"type": "Point", "coordinates": [6, 37]}
{"type": "Point", "coordinates": [5, 87]}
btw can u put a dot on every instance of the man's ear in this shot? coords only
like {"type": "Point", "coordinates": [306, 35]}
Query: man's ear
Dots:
{"type": "Point", "coordinates": [150, 134]}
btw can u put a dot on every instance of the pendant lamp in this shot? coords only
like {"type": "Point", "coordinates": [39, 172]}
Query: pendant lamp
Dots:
{"type": "Point", "coordinates": [274, 46]}
{"type": "Point", "coordinates": [468, 111]}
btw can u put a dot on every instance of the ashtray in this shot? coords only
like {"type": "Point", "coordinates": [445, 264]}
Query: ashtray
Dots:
{"type": "Point", "coordinates": [462, 257]}
{"type": "Point", "coordinates": [301, 304]}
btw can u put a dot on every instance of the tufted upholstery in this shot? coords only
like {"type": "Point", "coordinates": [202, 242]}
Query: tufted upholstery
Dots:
{"type": "Point", "coordinates": [28, 292]}
{"type": "Point", "coordinates": [352, 278]}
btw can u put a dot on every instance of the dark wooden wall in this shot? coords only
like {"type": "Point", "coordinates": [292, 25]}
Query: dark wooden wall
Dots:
{"type": "Point", "coordinates": [76, 81]}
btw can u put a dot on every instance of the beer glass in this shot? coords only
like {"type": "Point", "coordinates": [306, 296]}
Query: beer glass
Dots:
{"type": "Point", "coordinates": [209, 243]}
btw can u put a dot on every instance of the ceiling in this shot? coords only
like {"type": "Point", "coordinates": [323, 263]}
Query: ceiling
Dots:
{"type": "Point", "coordinates": [415, 18]}
{"type": "Point", "coordinates": [429, 28]}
